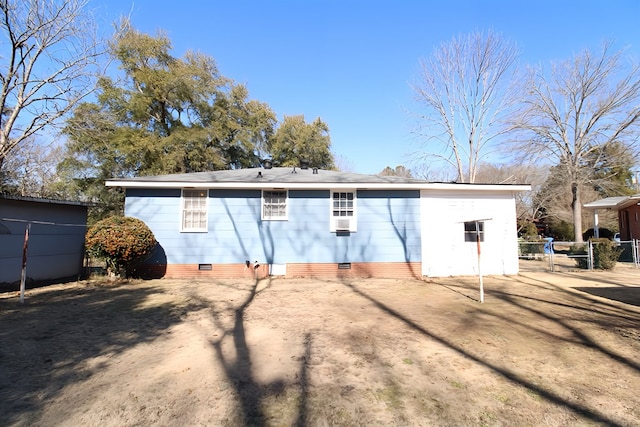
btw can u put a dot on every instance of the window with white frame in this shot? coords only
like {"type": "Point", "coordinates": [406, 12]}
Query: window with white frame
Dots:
{"type": "Point", "coordinates": [343, 210]}
{"type": "Point", "coordinates": [194, 210]}
{"type": "Point", "coordinates": [274, 204]}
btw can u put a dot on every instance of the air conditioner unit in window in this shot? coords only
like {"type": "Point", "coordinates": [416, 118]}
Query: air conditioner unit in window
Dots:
{"type": "Point", "coordinates": [343, 224]}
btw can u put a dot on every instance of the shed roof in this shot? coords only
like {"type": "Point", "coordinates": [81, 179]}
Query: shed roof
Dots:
{"type": "Point", "coordinates": [43, 200]}
{"type": "Point", "coordinates": [290, 177]}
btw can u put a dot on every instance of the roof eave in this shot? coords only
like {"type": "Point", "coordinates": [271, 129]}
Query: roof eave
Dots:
{"type": "Point", "coordinates": [617, 205]}
{"type": "Point", "coordinates": [631, 201]}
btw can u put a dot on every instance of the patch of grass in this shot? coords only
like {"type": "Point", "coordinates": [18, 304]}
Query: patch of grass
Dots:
{"type": "Point", "coordinates": [392, 395]}
{"type": "Point", "coordinates": [457, 384]}
{"type": "Point", "coordinates": [407, 361]}
{"type": "Point", "coordinates": [284, 406]}
{"type": "Point", "coordinates": [534, 394]}
{"type": "Point", "coordinates": [503, 399]}
{"type": "Point", "coordinates": [487, 418]}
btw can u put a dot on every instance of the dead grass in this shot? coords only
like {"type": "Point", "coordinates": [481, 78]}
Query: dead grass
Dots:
{"type": "Point", "coordinates": [544, 349]}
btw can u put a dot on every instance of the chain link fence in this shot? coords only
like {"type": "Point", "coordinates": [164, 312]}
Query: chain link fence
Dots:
{"type": "Point", "coordinates": [549, 255]}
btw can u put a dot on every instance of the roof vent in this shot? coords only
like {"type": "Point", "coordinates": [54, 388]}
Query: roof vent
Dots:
{"type": "Point", "coordinates": [315, 171]}
{"type": "Point", "coordinates": [267, 163]}
{"type": "Point", "coordinates": [259, 174]}
{"type": "Point", "coordinates": [304, 164]}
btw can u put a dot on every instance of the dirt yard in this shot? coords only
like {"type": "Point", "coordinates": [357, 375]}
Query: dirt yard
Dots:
{"type": "Point", "coordinates": [555, 349]}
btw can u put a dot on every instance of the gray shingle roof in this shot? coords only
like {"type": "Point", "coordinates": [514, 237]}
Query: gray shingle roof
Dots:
{"type": "Point", "coordinates": [281, 175]}
{"type": "Point", "coordinates": [288, 177]}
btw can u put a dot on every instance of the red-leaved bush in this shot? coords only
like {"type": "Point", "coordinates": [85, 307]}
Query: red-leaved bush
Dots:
{"type": "Point", "coordinates": [120, 241]}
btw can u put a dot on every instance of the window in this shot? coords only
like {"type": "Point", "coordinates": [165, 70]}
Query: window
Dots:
{"type": "Point", "coordinates": [471, 234]}
{"type": "Point", "coordinates": [343, 211]}
{"type": "Point", "coordinates": [194, 210]}
{"type": "Point", "coordinates": [274, 204]}
{"type": "Point", "coordinates": [343, 204]}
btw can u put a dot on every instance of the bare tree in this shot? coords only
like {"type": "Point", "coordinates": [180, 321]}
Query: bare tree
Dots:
{"type": "Point", "coordinates": [399, 170]}
{"type": "Point", "coordinates": [527, 205]}
{"type": "Point", "coordinates": [343, 163]}
{"type": "Point", "coordinates": [31, 171]}
{"type": "Point", "coordinates": [576, 114]}
{"type": "Point", "coordinates": [465, 87]}
{"type": "Point", "coordinates": [49, 50]}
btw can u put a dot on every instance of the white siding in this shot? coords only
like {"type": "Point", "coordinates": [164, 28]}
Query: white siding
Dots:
{"type": "Point", "coordinates": [444, 250]}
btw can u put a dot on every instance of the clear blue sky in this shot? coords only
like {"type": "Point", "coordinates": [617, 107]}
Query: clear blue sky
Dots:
{"type": "Point", "coordinates": [349, 62]}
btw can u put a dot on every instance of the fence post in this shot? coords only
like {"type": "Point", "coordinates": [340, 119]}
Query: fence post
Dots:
{"type": "Point", "coordinates": [634, 251]}
{"type": "Point", "coordinates": [590, 255]}
{"type": "Point", "coordinates": [23, 275]}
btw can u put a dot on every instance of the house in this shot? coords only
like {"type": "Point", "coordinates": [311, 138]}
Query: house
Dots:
{"type": "Point", "coordinates": [628, 209]}
{"type": "Point", "coordinates": [310, 222]}
{"type": "Point", "coordinates": [56, 238]}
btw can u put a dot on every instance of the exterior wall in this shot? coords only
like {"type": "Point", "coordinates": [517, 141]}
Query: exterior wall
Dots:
{"type": "Point", "coordinates": [629, 222]}
{"type": "Point", "coordinates": [388, 231]}
{"type": "Point", "coordinates": [54, 251]}
{"type": "Point", "coordinates": [445, 251]}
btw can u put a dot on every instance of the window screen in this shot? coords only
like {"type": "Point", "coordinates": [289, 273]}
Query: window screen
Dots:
{"type": "Point", "coordinates": [274, 204]}
{"type": "Point", "coordinates": [343, 204]}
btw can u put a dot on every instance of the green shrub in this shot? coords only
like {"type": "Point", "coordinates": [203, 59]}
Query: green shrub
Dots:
{"type": "Point", "coordinates": [531, 247]}
{"type": "Point", "coordinates": [120, 241]}
{"type": "Point", "coordinates": [528, 230]}
{"type": "Point", "coordinates": [579, 251]}
{"type": "Point", "coordinates": [562, 231]}
{"type": "Point", "coordinates": [605, 253]}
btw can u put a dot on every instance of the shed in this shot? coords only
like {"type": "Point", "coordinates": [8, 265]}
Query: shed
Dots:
{"type": "Point", "coordinates": [56, 238]}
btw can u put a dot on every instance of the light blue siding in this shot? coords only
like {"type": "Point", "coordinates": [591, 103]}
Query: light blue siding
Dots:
{"type": "Point", "coordinates": [388, 228]}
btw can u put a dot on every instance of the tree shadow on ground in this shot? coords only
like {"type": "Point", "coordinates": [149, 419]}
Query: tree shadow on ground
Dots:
{"type": "Point", "coordinates": [47, 342]}
{"type": "Point", "coordinates": [251, 394]}
{"type": "Point", "coordinates": [508, 374]}
{"type": "Point", "coordinates": [622, 294]}
{"type": "Point", "coordinates": [577, 335]}
{"type": "Point", "coordinates": [581, 301]}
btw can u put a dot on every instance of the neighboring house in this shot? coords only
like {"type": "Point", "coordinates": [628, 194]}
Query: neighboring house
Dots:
{"type": "Point", "coordinates": [628, 208]}
{"type": "Point", "coordinates": [56, 238]}
{"type": "Point", "coordinates": [303, 222]}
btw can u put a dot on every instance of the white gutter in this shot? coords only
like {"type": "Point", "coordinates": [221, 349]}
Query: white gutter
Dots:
{"type": "Point", "coordinates": [319, 185]}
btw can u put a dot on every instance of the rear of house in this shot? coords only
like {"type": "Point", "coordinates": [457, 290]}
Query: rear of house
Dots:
{"type": "Point", "coordinates": [316, 223]}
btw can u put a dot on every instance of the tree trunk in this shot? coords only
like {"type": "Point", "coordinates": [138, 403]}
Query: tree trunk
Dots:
{"type": "Point", "coordinates": [576, 207]}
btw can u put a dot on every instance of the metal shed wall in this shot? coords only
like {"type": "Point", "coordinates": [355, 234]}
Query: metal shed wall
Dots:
{"type": "Point", "coordinates": [56, 241]}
